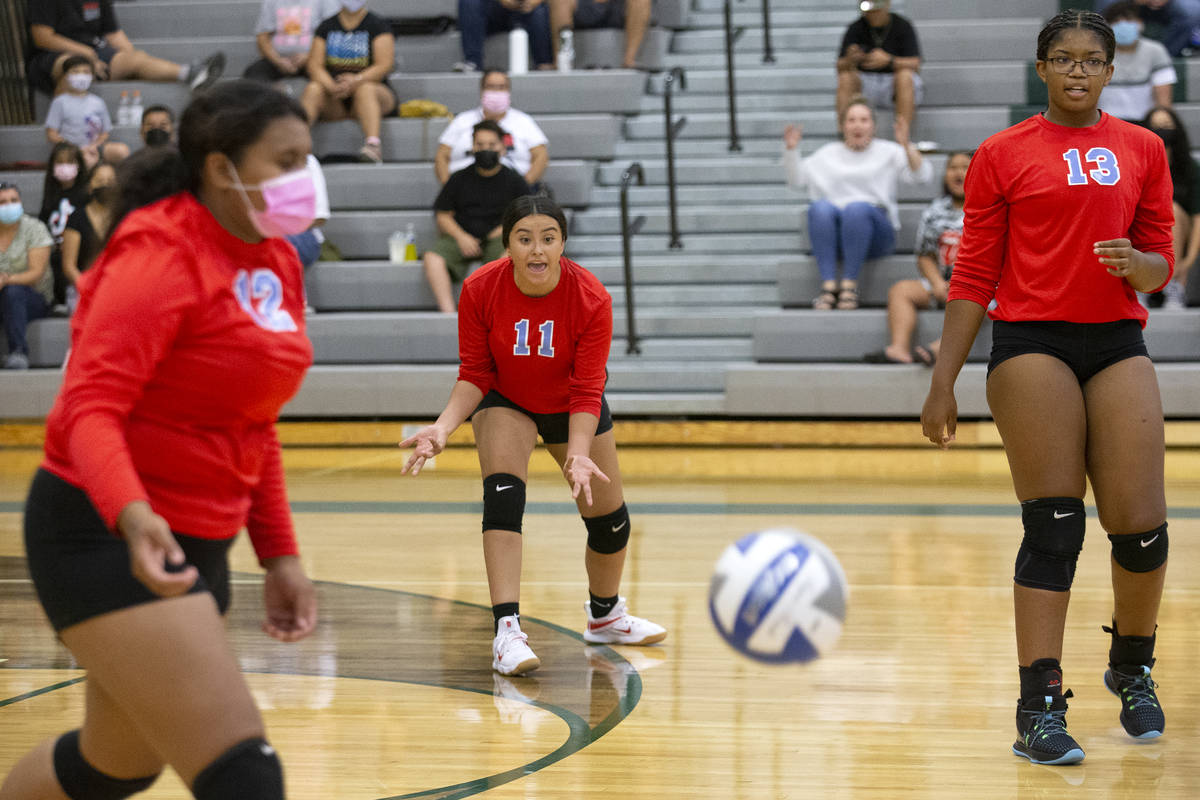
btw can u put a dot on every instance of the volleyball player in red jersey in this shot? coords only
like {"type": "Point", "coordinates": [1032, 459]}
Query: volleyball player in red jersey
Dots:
{"type": "Point", "coordinates": [188, 339]}
{"type": "Point", "coordinates": [534, 330]}
{"type": "Point", "coordinates": [1066, 215]}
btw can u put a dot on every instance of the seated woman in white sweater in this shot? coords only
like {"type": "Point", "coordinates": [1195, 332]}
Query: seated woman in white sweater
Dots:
{"type": "Point", "coordinates": [852, 184]}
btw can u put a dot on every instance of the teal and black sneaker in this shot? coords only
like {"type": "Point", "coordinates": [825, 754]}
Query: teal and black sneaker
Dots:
{"type": "Point", "coordinates": [1042, 731]}
{"type": "Point", "coordinates": [1141, 714]}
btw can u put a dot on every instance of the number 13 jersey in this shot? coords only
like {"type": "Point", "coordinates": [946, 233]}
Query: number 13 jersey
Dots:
{"type": "Point", "coordinates": [1039, 196]}
{"type": "Point", "coordinates": [546, 354]}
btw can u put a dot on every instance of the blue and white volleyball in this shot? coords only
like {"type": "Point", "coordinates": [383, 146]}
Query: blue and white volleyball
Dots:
{"type": "Point", "coordinates": [779, 596]}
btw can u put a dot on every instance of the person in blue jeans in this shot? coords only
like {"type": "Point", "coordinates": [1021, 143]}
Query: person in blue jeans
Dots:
{"type": "Point", "coordinates": [1178, 18]}
{"type": "Point", "coordinates": [477, 19]}
{"type": "Point", "coordinates": [852, 183]}
{"type": "Point", "coordinates": [26, 283]}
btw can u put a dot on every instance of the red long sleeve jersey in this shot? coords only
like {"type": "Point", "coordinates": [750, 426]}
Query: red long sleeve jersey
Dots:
{"type": "Point", "coordinates": [1039, 196]}
{"type": "Point", "coordinates": [547, 354]}
{"type": "Point", "coordinates": [186, 343]}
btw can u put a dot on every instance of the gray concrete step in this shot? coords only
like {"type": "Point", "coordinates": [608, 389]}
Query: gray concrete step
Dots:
{"type": "Point", "coordinates": [716, 194]}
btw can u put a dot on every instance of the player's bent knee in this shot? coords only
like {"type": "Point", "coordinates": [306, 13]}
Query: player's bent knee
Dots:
{"type": "Point", "coordinates": [249, 770]}
{"type": "Point", "coordinates": [608, 534]}
{"type": "Point", "coordinates": [503, 502]}
{"type": "Point", "coordinates": [1054, 528]}
{"type": "Point", "coordinates": [1140, 552]}
{"type": "Point", "coordinates": [81, 781]}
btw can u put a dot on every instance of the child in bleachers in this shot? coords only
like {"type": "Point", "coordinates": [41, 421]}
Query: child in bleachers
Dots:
{"type": "Point", "coordinates": [1142, 70]}
{"type": "Point", "coordinates": [64, 190]}
{"type": "Point", "coordinates": [88, 227]}
{"type": "Point", "coordinates": [1185, 178]}
{"type": "Point", "coordinates": [284, 35]}
{"type": "Point", "coordinates": [81, 118]}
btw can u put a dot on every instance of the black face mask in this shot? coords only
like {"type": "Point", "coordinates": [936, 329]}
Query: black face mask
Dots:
{"type": "Point", "coordinates": [487, 159]}
{"type": "Point", "coordinates": [1169, 135]}
{"type": "Point", "coordinates": [103, 195]}
{"type": "Point", "coordinates": [156, 137]}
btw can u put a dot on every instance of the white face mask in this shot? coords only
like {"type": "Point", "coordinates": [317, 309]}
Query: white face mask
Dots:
{"type": "Point", "coordinates": [353, 6]}
{"type": "Point", "coordinates": [79, 81]}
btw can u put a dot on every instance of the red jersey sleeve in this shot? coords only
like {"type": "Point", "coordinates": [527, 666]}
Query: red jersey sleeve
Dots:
{"type": "Point", "coordinates": [476, 364]}
{"type": "Point", "coordinates": [985, 234]}
{"type": "Point", "coordinates": [270, 521]}
{"type": "Point", "coordinates": [134, 316]}
{"type": "Point", "coordinates": [1153, 222]}
{"type": "Point", "coordinates": [591, 359]}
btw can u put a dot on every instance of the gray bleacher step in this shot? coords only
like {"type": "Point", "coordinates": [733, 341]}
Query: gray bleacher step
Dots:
{"type": "Point", "coordinates": [982, 40]}
{"type": "Point", "coordinates": [650, 246]}
{"type": "Point", "coordinates": [684, 104]}
{"type": "Point", "coordinates": [180, 19]}
{"type": "Point", "coordinates": [774, 79]}
{"type": "Point", "coordinates": [28, 394]}
{"type": "Point", "coordinates": [813, 336]}
{"type": "Point", "coordinates": [971, 10]}
{"type": "Point", "coordinates": [880, 390]}
{"type": "Point", "coordinates": [667, 404]}
{"type": "Point", "coordinates": [731, 168]}
{"type": "Point", "coordinates": [749, 17]}
{"type": "Point", "coordinates": [799, 282]}
{"type": "Point", "coordinates": [810, 5]}
{"type": "Point", "coordinates": [752, 59]}
{"type": "Point", "coordinates": [714, 194]}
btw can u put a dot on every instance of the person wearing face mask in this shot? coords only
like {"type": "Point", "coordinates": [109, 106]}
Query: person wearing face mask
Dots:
{"type": "Point", "coordinates": [88, 227]}
{"type": "Point", "coordinates": [1142, 71]}
{"type": "Point", "coordinates": [852, 185]}
{"type": "Point", "coordinates": [63, 190]}
{"type": "Point", "coordinates": [1184, 288]}
{"type": "Point", "coordinates": [284, 34]}
{"type": "Point", "coordinates": [1176, 19]}
{"type": "Point", "coordinates": [352, 54]}
{"type": "Point", "coordinates": [468, 211]}
{"type": "Point", "coordinates": [526, 146]}
{"type": "Point", "coordinates": [81, 118]}
{"type": "Point", "coordinates": [157, 126]}
{"type": "Point", "coordinates": [161, 445]}
{"type": "Point", "coordinates": [26, 284]}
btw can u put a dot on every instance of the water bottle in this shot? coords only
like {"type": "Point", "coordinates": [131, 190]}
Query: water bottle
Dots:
{"type": "Point", "coordinates": [396, 248]}
{"type": "Point", "coordinates": [135, 108]}
{"type": "Point", "coordinates": [518, 51]}
{"type": "Point", "coordinates": [410, 243]}
{"type": "Point", "coordinates": [566, 50]}
{"type": "Point", "coordinates": [123, 109]}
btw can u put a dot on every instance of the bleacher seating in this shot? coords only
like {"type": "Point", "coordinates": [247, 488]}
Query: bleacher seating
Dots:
{"type": "Point", "coordinates": [724, 322]}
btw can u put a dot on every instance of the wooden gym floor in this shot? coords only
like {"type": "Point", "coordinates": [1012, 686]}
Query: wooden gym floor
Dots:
{"type": "Point", "coordinates": [394, 696]}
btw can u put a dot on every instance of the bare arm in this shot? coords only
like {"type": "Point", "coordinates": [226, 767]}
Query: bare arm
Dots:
{"type": "Point", "coordinates": [1192, 249]}
{"type": "Point", "coordinates": [939, 417]}
{"type": "Point", "coordinates": [447, 224]}
{"type": "Point", "coordinates": [316, 66]}
{"type": "Point", "coordinates": [909, 62]}
{"type": "Point", "coordinates": [70, 254]}
{"type": "Point", "coordinates": [441, 164]}
{"type": "Point", "coordinates": [539, 159]}
{"type": "Point", "coordinates": [928, 267]}
{"type": "Point", "coordinates": [39, 259]}
{"type": "Point", "coordinates": [119, 41]}
{"type": "Point", "coordinates": [383, 59]}
{"type": "Point", "coordinates": [44, 37]}
{"type": "Point", "coordinates": [1162, 95]}
{"type": "Point", "coordinates": [53, 136]}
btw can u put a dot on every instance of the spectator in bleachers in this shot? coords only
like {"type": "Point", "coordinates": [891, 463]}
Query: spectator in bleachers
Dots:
{"type": "Point", "coordinates": [1185, 175]}
{"type": "Point", "coordinates": [525, 146]}
{"type": "Point", "coordinates": [158, 126]}
{"type": "Point", "coordinates": [26, 285]}
{"type": "Point", "coordinates": [88, 227]}
{"type": "Point", "coordinates": [1142, 70]}
{"type": "Point", "coordinates": [62, 28]}
{"type": "Point", "coordinates": [880, 59]}
{"type": "Point", "coordinates": [284, 36]}
{"type": "Point", "coordinates": [352, 54]}
{"type": "Point", "coordinates": [81, 118]}
{"type": "Point", "coordinates": [1177, 18]}
{"type": "Point", "coordinates": [478, 19]}
{"type": "Point", "coordinates": [937, 245]}
{"type": "Point", "coordinates": [852, 214]}
{"type": "Point", "coordinates": [468, 211]}
{"type": "Point", "coordinates": [63, 190]}
{"type": "Point", "coordinates": [632, 15]}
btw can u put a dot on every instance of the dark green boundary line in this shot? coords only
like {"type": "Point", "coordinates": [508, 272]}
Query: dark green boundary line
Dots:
{"type": "Point", "coordinates": [580, 735]}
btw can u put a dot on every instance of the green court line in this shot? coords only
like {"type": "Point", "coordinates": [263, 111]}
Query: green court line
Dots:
{"type": "Point", "coordinates": [44, 690]}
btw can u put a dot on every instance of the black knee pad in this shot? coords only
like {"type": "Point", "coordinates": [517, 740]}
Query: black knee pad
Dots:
{"type": "Point", "coordinates": [1053, 538]}
{"type": "Point", "coordinates": [503, 502]}
{"type": "Point", "coordinates": [249, 770]}
{"type": "Point", "coordinates": [81, 781]}
{"type": "Point", "coordinates": [608, 534]}
{"type": "Point", "coordinates": [1140, 552]}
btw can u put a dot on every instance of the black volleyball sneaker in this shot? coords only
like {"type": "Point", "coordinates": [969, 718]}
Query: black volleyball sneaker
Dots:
{"type": "Point", "coordinates": [1141, 715]}
{"type": "Point", "coordinates": [1042, 731]}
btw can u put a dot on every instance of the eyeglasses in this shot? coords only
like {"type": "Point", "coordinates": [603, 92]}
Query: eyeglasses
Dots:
{"type": "Point", "coordinates": [1065, 66]}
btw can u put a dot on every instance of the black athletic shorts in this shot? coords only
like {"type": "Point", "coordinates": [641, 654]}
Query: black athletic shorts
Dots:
{"type": "Point", "coordinates": [553, 428]}
{"type": "Point", "coordinates": [1086, 348]}
{"type": "Point", "coordinates": [81, 570]}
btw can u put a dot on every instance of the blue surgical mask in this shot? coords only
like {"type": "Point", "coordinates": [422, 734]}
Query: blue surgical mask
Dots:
{"type": "Point", "coordinates": [1127, 32]}
{"type": "Point", "coordinates": [353, 6]}
{"type": "Point", "coordinates": [11, 212]}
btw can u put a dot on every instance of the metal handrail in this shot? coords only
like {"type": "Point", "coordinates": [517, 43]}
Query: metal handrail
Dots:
{"type": "Point", "coordinates": [731, 36]}
{"type": "Point", "coordinates": [628, 230]}
{"type": "Point", "coordinates": [768, 50]}
{"type": "Point", "coordinates": [672, 130]}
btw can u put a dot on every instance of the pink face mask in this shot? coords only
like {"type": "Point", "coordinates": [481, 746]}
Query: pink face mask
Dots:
{"type": "Point", "coordinates": [496, 102]}
{"type": "Point", "coordinates": [291, 201]}
{"type": "Point", "coordinates": [66, 172]}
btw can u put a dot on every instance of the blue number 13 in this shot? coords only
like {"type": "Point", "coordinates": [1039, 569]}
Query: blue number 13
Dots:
{"type": "Point", "coordinates": [545, 346]}
{"type": "Point", "coordinates": [1106, 172]}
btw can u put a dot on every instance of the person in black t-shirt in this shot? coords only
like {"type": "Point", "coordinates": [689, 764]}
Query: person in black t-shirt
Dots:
{"type": "Point", "coordinates": [88, 227]}
{"type": "Point", "coordinates": [468, 211]}
{"type": "Point", "coordinates": [352, 54]}
{"type": "Point", "coordinates": [880, 59]}
{"type": "Point", "coordinates": [64, 190]}
{"type": "Point", "coordinates": [59, 29]}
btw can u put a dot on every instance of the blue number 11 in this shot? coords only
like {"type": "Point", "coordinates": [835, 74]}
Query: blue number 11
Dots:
{"type": "Point", "coordinates": [545, 346]}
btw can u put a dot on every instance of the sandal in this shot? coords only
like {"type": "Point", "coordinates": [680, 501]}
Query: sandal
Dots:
{"type": "Point", "coordinates": [847, 298]}
{"type": "Point", "coordinates": [924, 355]}
{"type": "Point", "coordinates": [825, 301]}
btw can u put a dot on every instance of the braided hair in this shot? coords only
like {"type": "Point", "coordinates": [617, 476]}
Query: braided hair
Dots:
{"type": "Point", "coordinates": [1072, 19]}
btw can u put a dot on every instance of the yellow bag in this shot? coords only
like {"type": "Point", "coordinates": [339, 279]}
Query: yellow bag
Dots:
{"type": "Point", "coordinates": [423, 108]}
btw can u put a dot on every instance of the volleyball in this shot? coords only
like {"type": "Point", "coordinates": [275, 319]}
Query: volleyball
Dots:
{"type": "Point", "coordinates": [779, 596]}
